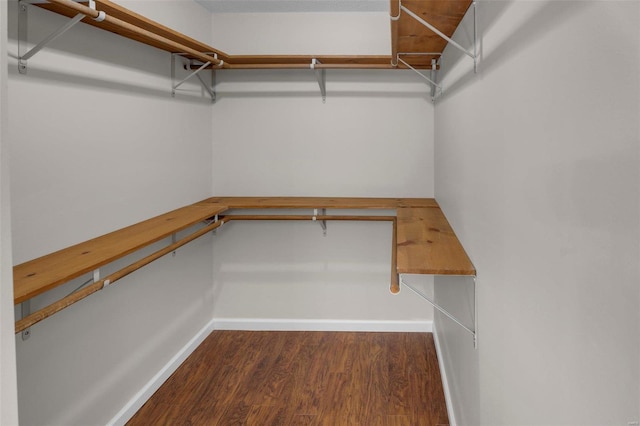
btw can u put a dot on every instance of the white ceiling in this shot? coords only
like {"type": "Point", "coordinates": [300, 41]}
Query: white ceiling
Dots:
{"type": "Point", "coordinates": [276, 6]}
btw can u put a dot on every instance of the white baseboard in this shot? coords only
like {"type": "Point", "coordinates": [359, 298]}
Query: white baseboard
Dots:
{"type": "Point", "coordinates": [154, 384]}
{"type": "Point", "coordinates": [445, 381]}
{"type": "Point", "coordinates": [257, 324]}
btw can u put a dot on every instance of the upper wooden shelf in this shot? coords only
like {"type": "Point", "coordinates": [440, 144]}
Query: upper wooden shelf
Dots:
{"type": "Point", "coordinates": [44, 273]}
{"type": "Point", "coordinates": [126, 23]}
{"type": "Point", "coordinates": [407, 37]}
{"type": "Point", "coordinates": [427, 244]}
{"type": "Point", "coordinates": [417, 44]}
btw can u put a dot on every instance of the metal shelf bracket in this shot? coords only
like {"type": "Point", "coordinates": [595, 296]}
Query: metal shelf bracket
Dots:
{"type": "Point", "coordinates": [25, 311]}
{"type": "Point", "coordinates": [322, 78]}
{"type": "Point", "coordinates": [174, 239]}
{"type": "Point", "coordinates": [434, 75]}
{"type": "Point", "coordinates": [323, 223]}
{"type": "Point", "coordinates": [23, 54]}
{"type": "Point", "coordinates": [471, 54]}
{"type": "Point", "coordinates": [473, 331]}
{"type": "Point", "coordinates": [435, 87]}
{"type": "Point", "coordinates": [188, 64]}
{"type": "Point", "coordinates": [436, 90]}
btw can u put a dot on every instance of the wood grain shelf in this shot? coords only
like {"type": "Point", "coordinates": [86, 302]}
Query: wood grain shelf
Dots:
{"type": "Point", "coordinates": [128, 24]}
{"type": "Point", "coordinates": [37, 276]}
{"type": "Point", "coordinates": [423, 242]}
{"type": "Point", "coordinates": [320, 202]}
{"type": "Point", "coordinates": [407, 37]}
{"type": "Point", "coordinates": [412, 37]}
{"type": "Point", "coordinates": [428, 245]}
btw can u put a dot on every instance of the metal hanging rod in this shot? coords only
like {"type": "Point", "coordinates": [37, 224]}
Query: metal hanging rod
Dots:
{"type": "Point", "coordinates": [419, 53]}
{"type": "Point", "coordinates": [308, 217]}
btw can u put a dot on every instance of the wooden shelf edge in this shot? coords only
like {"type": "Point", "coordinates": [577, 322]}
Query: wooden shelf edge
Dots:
{"type": "Point", "coordinates": [428, 245]}
{"type": "Point", "coordinates": [431, 271]}
{"type": "Point", "coordinates": [355, 203]}
{"type": "Point", "coordinates": [422, 242]}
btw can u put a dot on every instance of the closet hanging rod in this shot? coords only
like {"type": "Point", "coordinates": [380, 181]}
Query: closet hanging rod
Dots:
{"type": "Point", "coordinates": [103, 17]}
{"type": "Point", "coordinates": [306, 66]}
{"type": "Point", "coordinates": [310, 217]}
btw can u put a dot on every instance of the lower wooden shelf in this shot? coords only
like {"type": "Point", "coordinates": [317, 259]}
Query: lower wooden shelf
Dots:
{"type": "Point", "coordinates": [428, 245]}
{"type": "Point", "coordinates": [34, 277]}
{"type": "Point", "coordinates": [423, 242]}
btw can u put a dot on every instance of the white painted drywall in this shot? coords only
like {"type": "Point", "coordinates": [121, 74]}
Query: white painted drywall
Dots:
{"type": "Point", "coordinates": [273, 135]}
{"type": "Point", "coordinates": [98, 143]}
{"type": "Point", "coordinates": [537, 170]}
{"type": "Point", "coordinates": [8, 387]}
{"type": "Point", "coordinates": [319, 33]}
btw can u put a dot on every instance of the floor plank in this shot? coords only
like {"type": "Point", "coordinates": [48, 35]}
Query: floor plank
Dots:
{"type": "Point", "coordinates": [303, 378]}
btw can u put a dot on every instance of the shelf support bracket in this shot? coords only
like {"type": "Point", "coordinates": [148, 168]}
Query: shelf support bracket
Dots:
{"type": "Point", "coordinates": [474, 331]}
{"type": "Point", "coordinates": [25, 311]}
{"type": "Point", "coordinates": [472, 54]}
{"type": "Point", "coordinates": [435, 87]}
{"type": "Point", "coordinates": [434, 74]}
{"type": "Point", "coordinates": [23, 11]}
{"type": "Point", "coordinates": [323, 223]}
{"type": "Point", "coordinates": [210, 89]}
{"type": "Point", "coordinates": [22, 36]}
{"type": "Point", "coordinates": [322, 78]}
{"type": "Point", "coordinates": [174, 239]}
{"type": "Point", "coordinates": [439, 33]}
{"type": "Point", "coordinates": [175, 86]}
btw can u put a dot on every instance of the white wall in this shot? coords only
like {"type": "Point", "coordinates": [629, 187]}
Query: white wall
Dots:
{"type": "Point", "coordinates": [537, 169]}
{"type": "Point", "coordinates": [318, 33]}
{"type": "Point", "coordinates": [273, 136]}
{"type": "Point", "coordinates": [8, 388]}
{"type": "Point", "coordinates": [97, 143]}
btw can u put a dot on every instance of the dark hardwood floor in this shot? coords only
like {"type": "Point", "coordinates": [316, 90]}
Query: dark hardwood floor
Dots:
{"type": "Point", "coordinates": [303, 378]}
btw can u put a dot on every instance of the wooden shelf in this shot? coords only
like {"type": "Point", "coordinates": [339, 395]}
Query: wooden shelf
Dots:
{"type": "Point", "coordinates": [412, 37]}
{"type": "Point", "coordinates": [407, 37]}
{"type": "Point", "coordinates": [320, 202]}
{"type": "Point", "coordinates": [44, 273]}
{"type": "Point", "coordinates": [427, 244]}
{"type": "Point", "coordinates": [121, 13]}
{"type": "Point", "coordinates": [423, 242]}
